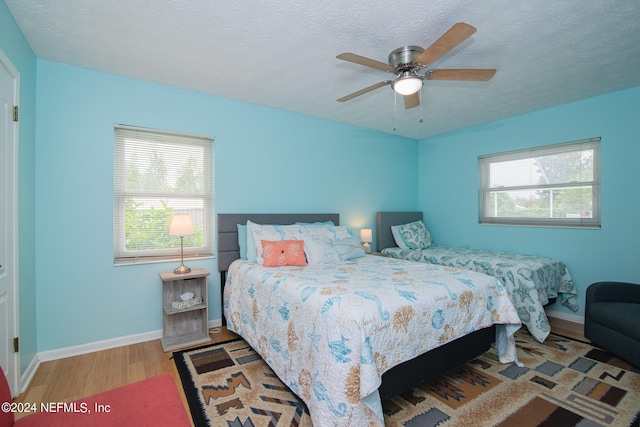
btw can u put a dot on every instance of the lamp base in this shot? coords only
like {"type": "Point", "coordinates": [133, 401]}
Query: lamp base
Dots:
{"type": "Point", "coordinates": [367, 248]}
{"type": "Point", "coordinates": [183, 269]}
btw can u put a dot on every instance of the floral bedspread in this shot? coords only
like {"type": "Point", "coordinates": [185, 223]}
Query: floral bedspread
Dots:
{"type": "Point", "coordinates": [530, 280]}
{"type": "Point", "coordinates": [330, 331]}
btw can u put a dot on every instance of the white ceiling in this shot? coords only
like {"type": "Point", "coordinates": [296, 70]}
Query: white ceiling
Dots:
{"type": "Point", "coordinates": [282, 54]}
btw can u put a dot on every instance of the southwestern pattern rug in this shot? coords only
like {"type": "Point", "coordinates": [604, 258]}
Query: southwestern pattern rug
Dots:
{"type": "Point", "coordinates": [563, 383]}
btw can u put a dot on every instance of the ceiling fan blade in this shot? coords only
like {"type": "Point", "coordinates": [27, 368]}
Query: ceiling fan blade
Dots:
{"type": "Point", "coordinates": [357, 59]}
{"type": "Point", "coordinates": [472, 75]}
{"type": "Point", "coordinates": [452, 38]}
{"type": "Point", "coordinates": [411, 101]}
{"type": "Point", "coordinates": [363, 91]}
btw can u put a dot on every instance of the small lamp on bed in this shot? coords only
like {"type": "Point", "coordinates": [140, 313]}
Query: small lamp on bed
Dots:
{"type": "Point", "coordinates": [365, 238]}
{"type": "Point", "coordinates": [181, 226]}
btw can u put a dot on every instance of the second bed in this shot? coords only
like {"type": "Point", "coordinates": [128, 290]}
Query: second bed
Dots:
{"type": "Point", "coordinates": [532, 281]}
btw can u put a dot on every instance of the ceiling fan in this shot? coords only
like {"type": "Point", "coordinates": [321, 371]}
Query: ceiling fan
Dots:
{"type": "Point", "coordinates": [410, 65]}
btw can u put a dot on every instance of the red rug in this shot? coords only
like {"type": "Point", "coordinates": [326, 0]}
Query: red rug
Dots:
{"type": "Point", "coordinates": [152, 402]}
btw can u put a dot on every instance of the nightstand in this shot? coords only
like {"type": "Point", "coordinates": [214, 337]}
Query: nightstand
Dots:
{"type": "Point", "coordinates": [184, 327]}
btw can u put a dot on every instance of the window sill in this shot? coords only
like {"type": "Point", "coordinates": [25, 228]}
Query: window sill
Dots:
{"type": "Point", "coordinates": [156, 260]}
{"type": "Point", "coordinates": [525, 224]}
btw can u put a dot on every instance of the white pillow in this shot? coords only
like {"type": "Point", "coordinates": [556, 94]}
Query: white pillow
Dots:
{"type": "Point", "coordinates": [251, 245]}
{"type": "Point", "coordinates": [342, 232]}
{"type": "Point", "coordinates": [395, 230]}
{"type": "Point", "coordinates": [318, 249]}
{"type": "Point", "coordinates": [331, 232]}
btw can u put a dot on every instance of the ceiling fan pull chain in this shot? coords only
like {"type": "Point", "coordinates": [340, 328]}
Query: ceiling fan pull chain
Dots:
{"type": "Point", "coordinates": [421, 92]}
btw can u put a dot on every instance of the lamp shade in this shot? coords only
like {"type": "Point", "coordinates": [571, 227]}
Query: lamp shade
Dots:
{"type": "Point", "coordinates": [365, 235]}
{"type": "Point", "coordinates": [407, 84]}
{"type": "Point", "coordinates": [181, 225]}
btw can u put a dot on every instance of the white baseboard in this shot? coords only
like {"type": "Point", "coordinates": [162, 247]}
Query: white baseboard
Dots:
{"type": "Point", "coordinates": [216, 323]}
{"type": "Point", "coordinates": [566, 316]}
{"type": "Point", "coordinates": [28, 373]}
{"type": "Point", "coordinates": [77, 350]}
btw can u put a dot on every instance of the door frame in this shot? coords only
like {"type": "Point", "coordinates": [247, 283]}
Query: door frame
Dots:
{"type": "Point", "coordinates": [12, 266]}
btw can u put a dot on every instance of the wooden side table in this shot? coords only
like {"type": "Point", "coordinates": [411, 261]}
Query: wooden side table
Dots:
{"type": "Point", "coordinates": [184, 327]}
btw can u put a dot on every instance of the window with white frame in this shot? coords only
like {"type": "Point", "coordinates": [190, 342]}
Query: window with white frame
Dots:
{"type": "Point", "coordinates": [159, 174]}
{"type": "Point", "coordinates": [555, 186]}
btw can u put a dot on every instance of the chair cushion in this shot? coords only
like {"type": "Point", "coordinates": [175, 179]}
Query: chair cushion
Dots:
{"type": "Point", "coordinates": [619, 316]}
{"type": "Point", "coordinates": [6, 417]}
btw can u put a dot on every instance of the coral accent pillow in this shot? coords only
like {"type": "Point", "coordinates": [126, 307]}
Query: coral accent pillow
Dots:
{"type": "Point", "coordinates": [283, 252]}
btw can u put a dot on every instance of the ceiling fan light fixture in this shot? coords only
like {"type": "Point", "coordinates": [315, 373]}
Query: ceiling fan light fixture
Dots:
{"type": "Point", "coordinates": [407, 84]}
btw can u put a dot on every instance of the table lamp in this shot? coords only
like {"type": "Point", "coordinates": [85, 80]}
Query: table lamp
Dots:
{"type": "Point", "coordinates": [365, 238]}
{"type": "Point", "coordinates": [181, 226]}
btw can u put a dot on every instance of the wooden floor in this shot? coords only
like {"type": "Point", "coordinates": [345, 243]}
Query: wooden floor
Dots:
{"type": "Point", "coordinates": [568, 329]}
{"type": "Point", "coordinates": [72, 378]}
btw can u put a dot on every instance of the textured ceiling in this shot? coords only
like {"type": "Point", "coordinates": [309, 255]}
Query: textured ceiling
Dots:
{"type": "Point", "coordinates": [282, 54]}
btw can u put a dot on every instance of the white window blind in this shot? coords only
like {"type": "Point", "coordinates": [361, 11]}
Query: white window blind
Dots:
{"type": "Point", "coordinates": [556, 185]}
{"type": "Point", "coordinates": [159, 174]}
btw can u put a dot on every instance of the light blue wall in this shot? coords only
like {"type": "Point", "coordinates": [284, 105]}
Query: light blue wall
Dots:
{"type": "Point", "coordinates": [270, 161]}
{"type": "Point", "coordinates": [448, 190]}
{"type": "Point", "coordinates": [16, 48]}
{"type": "Point", "coordinates": [266, 160]}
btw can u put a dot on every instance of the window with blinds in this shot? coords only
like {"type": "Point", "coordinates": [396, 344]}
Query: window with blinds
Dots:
{"type": "Point", "coordinates": [555, 186]}
{"type": "Point", "coordinates": [159, 174]}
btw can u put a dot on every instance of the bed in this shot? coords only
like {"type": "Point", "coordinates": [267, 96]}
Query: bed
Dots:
{"type": "Point", "coordinates": [344, 336]}
{"type": "Point", "coordinates": [532, 281]}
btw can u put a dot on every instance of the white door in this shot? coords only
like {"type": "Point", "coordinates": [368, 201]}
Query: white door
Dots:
{"type": "Point", "coordinates": [9, 359]}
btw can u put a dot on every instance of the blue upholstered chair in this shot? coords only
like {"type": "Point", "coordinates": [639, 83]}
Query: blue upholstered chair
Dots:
{"type": "Point", "coordinates": [612, 319]}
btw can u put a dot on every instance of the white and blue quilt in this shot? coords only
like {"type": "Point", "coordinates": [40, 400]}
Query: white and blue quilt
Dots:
{"type": "Point", "coordinates": [530, 280]}
{"type": "Point", "coordinates": [330, 331]}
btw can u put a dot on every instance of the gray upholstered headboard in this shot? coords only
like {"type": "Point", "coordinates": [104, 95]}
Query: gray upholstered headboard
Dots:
{"type": "Point", "coordinates": [384, 221]}
{"type": "Point", "coordinates": [228, 248]}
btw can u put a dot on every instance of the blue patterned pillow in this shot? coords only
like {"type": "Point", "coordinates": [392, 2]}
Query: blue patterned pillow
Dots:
{"type": "Point", "coordinates": [251, 244]}
{"type": "Point", "coordinates": [242, 240]}
{"type": "Point", "coordinates": [348, 248]}
{"type": "Point", "coordinates": [415, 235]}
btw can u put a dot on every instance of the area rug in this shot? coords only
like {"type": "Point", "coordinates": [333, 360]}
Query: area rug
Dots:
{"type": "Point", "coordinates": [563, 383]}
{"type": "Point", "coordinates": [151, 402]}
